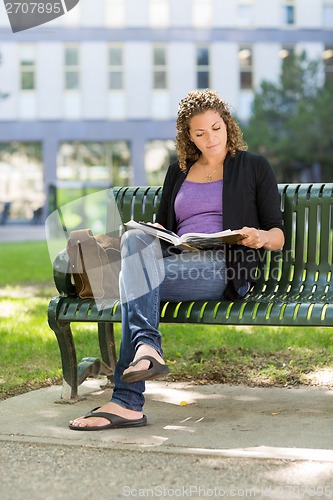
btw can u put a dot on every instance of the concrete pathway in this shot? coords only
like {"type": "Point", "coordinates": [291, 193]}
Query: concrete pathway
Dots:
{"type": "Point", "coordinates": [22, 232]}
{"type": "Point", "coordinates": [212, 419]}
{"type": "Point", "coordinates": [230, 437]}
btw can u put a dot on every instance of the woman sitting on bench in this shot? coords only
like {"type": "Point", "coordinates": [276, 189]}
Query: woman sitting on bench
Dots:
{"type": "Point", "coordinates": [215, 184]}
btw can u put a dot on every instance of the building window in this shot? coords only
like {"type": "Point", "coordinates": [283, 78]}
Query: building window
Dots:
{"type": "Point", "coordinates": [245, 67]}
{"type": "Point", "coordinates": [159, 13]}
{"type": "Point", "coordinates": [22, 181]}
{"type": "Point", "coordinates": [288, 13]}
{"type": "Point", "coordinates": [107, 163]}
{"type": "Point", "coordinates": [116, 70]}
{"type": "Point", "coordinates": [245, 14]}
{"type": "Point", "coordinates": [328, 63]}
{"type": "Point", "coordinates": [159, 67]}
{"type": "Point", "coordinates": [202, 13]}
{"type": "Point", "coordinates": [328, 14]}
{"type": "Point", "coordinates": [202, 67]}
{"type": "Point", "coordinates": [27, 67]}
{"type": "Point", "coordinates": [72, 67]}
{"type": "Point", "coordinates": [115, 13]}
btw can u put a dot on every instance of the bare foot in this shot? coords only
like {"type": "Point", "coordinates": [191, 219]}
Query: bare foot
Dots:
{"type": "Point", "coordinates": [144, 350]}
{"type": "Point", "coordinates": [108, 408]}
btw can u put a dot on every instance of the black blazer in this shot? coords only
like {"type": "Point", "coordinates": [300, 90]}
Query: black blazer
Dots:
{"type": "Point", "coordinates": [250, 198]}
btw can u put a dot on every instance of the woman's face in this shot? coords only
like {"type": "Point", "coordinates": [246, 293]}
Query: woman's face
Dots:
{"type": "Point", "coordinates": [209, 133]}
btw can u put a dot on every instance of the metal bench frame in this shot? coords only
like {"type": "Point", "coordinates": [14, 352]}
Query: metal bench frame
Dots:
{"type": "Point", "coordinates": [295, 287]}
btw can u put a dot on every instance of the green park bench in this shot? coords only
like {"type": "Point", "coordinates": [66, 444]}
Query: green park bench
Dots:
{"type": "Point", "coordinates": [295, 286]}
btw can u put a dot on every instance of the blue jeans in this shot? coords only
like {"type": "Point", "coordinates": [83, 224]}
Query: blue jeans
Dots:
{"type": "Point", "coordinates": [151, 274]}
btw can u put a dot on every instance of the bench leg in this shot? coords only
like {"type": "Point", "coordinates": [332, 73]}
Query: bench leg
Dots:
{"type": "Point", "coordinates": [107, 346]}
{"type": "Point", "coordinates": [88, 366]}
{"type": "Point", "coordinates": [93, 367]}
{"type": "Point", "coordinates": [64, 335]}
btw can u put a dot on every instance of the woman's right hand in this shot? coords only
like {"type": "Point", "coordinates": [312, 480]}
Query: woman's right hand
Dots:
{"type": "Point", "coordinates": [156, 224]}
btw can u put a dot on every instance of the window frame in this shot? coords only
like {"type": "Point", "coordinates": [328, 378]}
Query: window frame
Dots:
{"type": "Point", "coordinates": [202, 13]}
{"type": "Point", "coordinates": [116, 68]}
{"type": "Point", "coordinates": [328, 63]}
{"type": "Point", "coordinates": [28, 68]}
{"type": "Point", "coordinates": [247, 21]}
{"type": "Point", "coordinates": [159, 13]}
{"type": "Point", "coordinates": [289, 13]}
{"type": "Point", "coordinates": [246, 69]}
{"type": "Point", "coordinates": [115, 13]}
{"type": "Point", "coordinates": [72, 68]}
{"type": "Point", "coordinates": [329, 6]}
{"type": "Point", "coordinates": [161, 69]}
{"type": "Point", "coordinates": [202, 69]}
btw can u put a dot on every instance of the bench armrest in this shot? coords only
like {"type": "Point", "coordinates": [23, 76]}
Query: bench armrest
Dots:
{"type": "Point", "coordinates": [62, 276]}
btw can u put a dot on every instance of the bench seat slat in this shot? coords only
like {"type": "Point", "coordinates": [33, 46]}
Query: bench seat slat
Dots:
{"type": "Point", "coordinates": [270, 313]}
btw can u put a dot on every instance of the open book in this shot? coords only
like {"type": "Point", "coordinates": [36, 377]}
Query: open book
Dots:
{"type": "Point", "coordinates": [199, 241]}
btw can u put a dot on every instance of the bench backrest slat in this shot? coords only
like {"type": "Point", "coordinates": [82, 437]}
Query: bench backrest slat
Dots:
{"type": "Point", "coordinates": [307, 254]}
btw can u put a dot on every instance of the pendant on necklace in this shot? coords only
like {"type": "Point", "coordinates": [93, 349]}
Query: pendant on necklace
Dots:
{"type": "Point", "coordinates": [208, 178]}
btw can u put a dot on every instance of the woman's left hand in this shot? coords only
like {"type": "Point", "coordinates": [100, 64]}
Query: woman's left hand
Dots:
{"type": "Point", "coordinates": [255, 238]}
{"type": "Point", "coordinates": [273, 239]}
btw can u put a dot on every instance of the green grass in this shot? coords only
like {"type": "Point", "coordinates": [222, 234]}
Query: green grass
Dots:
{"type": "Point", "coordinates": [25, 263]}
{"type": "Point", "coordinates": [257, 356]}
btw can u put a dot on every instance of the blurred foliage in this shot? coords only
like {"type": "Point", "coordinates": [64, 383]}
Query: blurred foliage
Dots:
{"type": "Point", "coordinates": [23, 151]}
{"type": "Point", "coordinates": [291, 122]}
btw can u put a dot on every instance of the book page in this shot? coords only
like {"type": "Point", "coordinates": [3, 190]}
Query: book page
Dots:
{"type": "Point", "coordinates": [198, 241]}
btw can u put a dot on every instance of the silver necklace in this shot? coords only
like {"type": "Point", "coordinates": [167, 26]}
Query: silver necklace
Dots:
{"type": "Point", "coordinates": [209, 177]}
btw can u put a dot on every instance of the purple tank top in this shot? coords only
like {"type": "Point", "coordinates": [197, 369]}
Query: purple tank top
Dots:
{"type": "Point", "coordinates": [198, 207]}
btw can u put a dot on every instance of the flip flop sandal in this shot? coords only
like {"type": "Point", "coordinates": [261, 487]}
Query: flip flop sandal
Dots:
{"type": "Point", "coordinates": [116, 422]}
{"type": "Point", "coordinates": [155, 370]}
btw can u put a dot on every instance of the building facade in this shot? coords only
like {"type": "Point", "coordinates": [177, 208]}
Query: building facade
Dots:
{"type": "Point", "coordinates": [92, 96]}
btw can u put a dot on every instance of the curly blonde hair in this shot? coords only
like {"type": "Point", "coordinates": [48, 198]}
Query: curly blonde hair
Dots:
{"type": "Point", "coordinates": [196, 102]}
